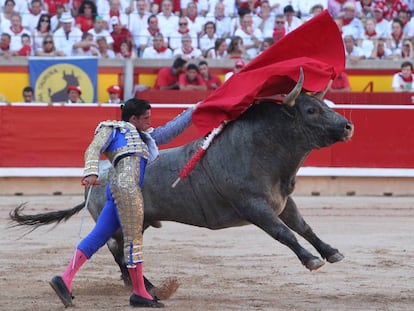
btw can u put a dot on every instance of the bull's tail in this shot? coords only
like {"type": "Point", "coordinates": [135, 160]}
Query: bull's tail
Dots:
{"type": "Point", "coordinates": [37, 220]}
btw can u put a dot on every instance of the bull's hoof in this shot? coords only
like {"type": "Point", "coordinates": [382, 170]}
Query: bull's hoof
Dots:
{"type": "Point", "coordinates": [335, 257]}
{"type": "Point", "coordinates": [314, 264]}
{"type": "Point", "coordinates": [166, 290]}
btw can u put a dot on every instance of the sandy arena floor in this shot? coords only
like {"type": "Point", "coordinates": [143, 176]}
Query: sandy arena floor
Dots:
{"type": "Point", "coordinates": [233, 269]}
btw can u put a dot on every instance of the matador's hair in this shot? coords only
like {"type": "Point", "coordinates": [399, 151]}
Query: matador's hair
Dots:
{"type": "Point", "coordinates": [134, 107]}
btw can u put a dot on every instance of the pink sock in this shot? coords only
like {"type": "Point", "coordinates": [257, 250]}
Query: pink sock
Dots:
{"type": "Point", "coordinates": [137, 280]}
{"type": "Point", "coordinates": [78, 259]}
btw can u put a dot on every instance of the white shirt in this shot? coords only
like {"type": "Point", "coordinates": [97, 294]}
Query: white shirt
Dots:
{"type": "Point", "coordinates": [247, 40]}
{"type": "Point", "coordinates": [104, 33]}
{"type": "Point", "coordinates": [150, 52]}
{"type": "Point", "coordinates": [167, 25]}
{"type": "Point", "coordinates": [66, 45]}
{"type": "Point", "coordinates": [195, 53]}
{"type": "Point", "coordinates": [398, 84]}
{"type": "Point", "coordinates": [16, 38]}
{"type": "Point", "coordinates": [175, 40]}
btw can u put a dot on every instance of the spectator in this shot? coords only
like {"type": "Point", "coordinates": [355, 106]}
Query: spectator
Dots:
{"type": "Point", "coordinates": [147, 35]}
{"type": "Point", "coordinates": [103, 49]}
{"type": "Point", "coordinates": [74, 95]}
{"type": "Point", "coordinates": [201, 8]}
{"type": "Point", "coordinates": [395, 41]}
{"type": "Point", "coordinates": [208, 39]}
{"type": "Point", "coordinates": [55, 20]}
{"type": "Point", "coordinates": [26, 49]}
{"type": "Point", "coordinates": [195, 21]}
{"type": "Point", "coordinates": [115, 11]}
{"type": "Point", "coordinates": [340, 83]}
{"type": "Point", "coordinates": [53, 6]}
{"type": "Point", "coordinates": [252, 38]}
{"type": "Point", "coordinates": [279, 29]}
{"type": "Point", "coordinates": [31, 19]}
{"type": "Point", "coordinates": [187, 50]}
{"type": "Point", "coordinates": [177, 36]}
{"type": "Point", "coordinates": [99, 31]}
{"type": "Point", "coordinates": [167, 78]}
{"type": "Point", "coordinates": [221, 20]}
{"type": "Point", "coordinates": [28, 95]}
{"type": "Point", "coordinates": [267, 42]}
{"type": "Point", "coordinates": [211, 80]}
{"type": "Point", "coordinates": [381, 51]}
{"type": "Point", "coordinates": [351, 25]}
{"type": "Point", "coordinates": [219, 51]}
{"type": "Point", "coordinates": [407, 49]}
{"type": "Point", "coordinates": [403, 81]}
{"type": "Point", "coordinates": [21, 6]}
{"type": "Point", "coordinates": [368, 38]}
{"type": "Point", "coordinates": [86, 15]}
{"type": "Point", "coordinates": [353, 52]}
{"type": "Point", "coordinates": [86, 47]}
{"type": "Point", "coordinates": [5, 45]}
{"type": "Point", "coordinates": [404, 17]}
{"type": "Point", "coordinates": [139, 24]}
{"type": "Point", "coordinates": [238, 65]}
{"type": "Point", "coordinates": [309, 9]}
{"type": "Point", "coordinates": [191, 79]}
{"type": "Point", "coordinates": [392, 7]}
{"type": "Point", "coordinates": [228, 9]}
{"type": "Point", "coordinates": [265, 19]}
{"type": "Point", "coordinates": [15, 31]}
{"type": "Point", "coordinates": [48, 48]}
{"type": "Point", "coordinates": [43, 29]}
{"type": "Point", "coordinates": [236, 48]}
{"type": "Point", "coordinates": [382, 25]}
{"type": "Point", "coordinates": [158, 50]}
{"type": "Point", "coordinates": [119, 34]}
{"type": "Point", "coordinates": [5, 16]}
{"type": "Point", "coordinates": [167, 21]}
{"type": "Point", "coordinates": [67, 36]}
{"type": "Point", "coordinates": [126, 50]}
{"type": "Point", "coordinates": [292, 21]}
{"type": "Point", "coordinates": [114, 92]}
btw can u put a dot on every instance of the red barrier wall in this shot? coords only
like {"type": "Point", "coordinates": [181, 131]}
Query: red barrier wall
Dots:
{"type": "Point", "coordinates": [57, 136]}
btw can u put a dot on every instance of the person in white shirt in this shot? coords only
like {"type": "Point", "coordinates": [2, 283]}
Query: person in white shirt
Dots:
{"type": "Point", "coordinates": [167, 21]}
{"type": "Point", "coordinates": [138, 21]}
{"type": "Point", "coordinates": [157, 50]}
{"type": "Point", "coordinates": [115, 10]}
{"type": "Point", "coordinates": [195, 21]}
{"type": "Point", "coordinates": [187, 50]}
{"type": "Point", "coordinates": [67, 36]}
{"type": "Point", "coordinates": [403, 81]}
{"type": "Point", "coordinates": [5, 16]}
{"type": "Point", "coordinates": [15, 31]}
{"type": "Point", "coordinates": [221, 20]}
{"type": "Point", "coordinates": [208, 39]}
{"type": "Point", "coordinates": [265, 20]}
{"type": "Point", "coordinates": [103, 49]}
{"type": "Point", "coordinates": [292, 21]}
{"type": "Point", "coordinates": [99, 30]}
{"type": "Point", "coordinates": [252, 38]}
{"type": "Point", "coordinates": [147, 35]}
{"type": "Point", "coordinates": [176, 36]}
{"type": "Point", "coordinates": [31, 18]}
{"type": "Point", "coordinates": [352, 52]}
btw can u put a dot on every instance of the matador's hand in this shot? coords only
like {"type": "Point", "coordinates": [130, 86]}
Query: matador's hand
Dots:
{"type": "Point", "coordinates": [90, 180]}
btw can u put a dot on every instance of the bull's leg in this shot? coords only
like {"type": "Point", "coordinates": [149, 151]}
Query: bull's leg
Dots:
{"type": "Point", "coordinates": [265, 218]}
{"type": "Point", "coordinates": [294, 220]}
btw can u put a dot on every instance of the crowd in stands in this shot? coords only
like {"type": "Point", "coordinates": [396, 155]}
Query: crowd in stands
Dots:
{"type": "Point", "coordinates": [203, 29]}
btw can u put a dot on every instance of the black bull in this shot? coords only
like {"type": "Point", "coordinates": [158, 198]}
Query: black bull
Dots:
{"type": "Point", "coordinates": [247, 176]}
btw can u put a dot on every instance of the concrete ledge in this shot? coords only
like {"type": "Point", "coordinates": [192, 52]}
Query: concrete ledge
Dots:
{"type": "Point", "coordinates": [389, 186]}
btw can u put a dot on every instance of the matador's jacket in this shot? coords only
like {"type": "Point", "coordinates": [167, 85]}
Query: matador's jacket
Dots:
{"type": "Point", "coordinates": [129, 152]}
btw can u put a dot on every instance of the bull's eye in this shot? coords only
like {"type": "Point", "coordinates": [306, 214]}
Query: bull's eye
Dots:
{"type": "Point", "coordinates": [311, 110]}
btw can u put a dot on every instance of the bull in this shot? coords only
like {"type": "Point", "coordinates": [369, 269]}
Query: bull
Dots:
{"type": "Point", "coordinates": [247, 176]}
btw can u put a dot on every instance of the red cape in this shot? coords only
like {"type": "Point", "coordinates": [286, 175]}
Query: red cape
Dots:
{"type": "Point", "coordinates": [316, 46]}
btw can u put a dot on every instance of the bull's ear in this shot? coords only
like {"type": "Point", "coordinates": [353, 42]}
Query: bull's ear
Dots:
{"type": "Point", "coordinates": [291, 97]}
{"type": "Point", "coordinates": [321, 95]}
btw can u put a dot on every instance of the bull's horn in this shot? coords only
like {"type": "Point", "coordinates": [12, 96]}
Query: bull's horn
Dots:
{"type": "Point", "coordinates": [291, 97]}
{"type": "Point", "coordinates": [321, 95]}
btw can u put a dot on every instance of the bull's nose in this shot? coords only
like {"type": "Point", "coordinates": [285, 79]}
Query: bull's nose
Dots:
{"type": "Point", "coordinates": [349, 130]}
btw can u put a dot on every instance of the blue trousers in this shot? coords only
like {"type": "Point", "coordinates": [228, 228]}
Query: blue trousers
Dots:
{"type": "Point", "coordinates": [106, 225]}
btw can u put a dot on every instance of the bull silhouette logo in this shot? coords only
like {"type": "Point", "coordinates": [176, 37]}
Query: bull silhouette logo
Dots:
{"type": "Point", "coordinates": [53, 83]}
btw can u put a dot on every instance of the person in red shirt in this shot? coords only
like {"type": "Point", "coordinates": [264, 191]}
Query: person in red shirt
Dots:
{"type": "Point", "coordinates": [341, 83]}
{"type": "Point", "coordinates": [167, 78]}
{"type": "Point", "coordinates": [26, 49]}
{"type": "Point", "coordinates": [119, 34]}
{"type": "Point", "coordinates": [212, 81]}
{"type": "Point", "coordinates": [86, 15]}
{"type": "Point", "coordinates": [191, 79]}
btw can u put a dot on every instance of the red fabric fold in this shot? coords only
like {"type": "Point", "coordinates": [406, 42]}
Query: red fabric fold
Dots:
{"type": "Point", "coordinates": [316, 46]}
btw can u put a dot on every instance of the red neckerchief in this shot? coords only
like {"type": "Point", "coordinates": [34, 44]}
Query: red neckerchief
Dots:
{"type": "Point", "coordinates": [380, 20]}
{"type": "Point", "coordinates": [192, 18]}
{"type": "Point", "coordinates": [183, 32]}
{"type": "Point", "coordinates": [410, 79]}
{"type": "Point", "coordinates": [189, 52]}
{"type": "Point", "coordinates": [341, 1]}
{"type": "Point", "coordinates": [86, 49]}
{"type": "Point", "coordinates": [6, 49]}
{"type": "Point", "coordinates": [397, 39]}
{"type": "Point", "coordinates": [380, 54]}
{"type": "Point", "coordinates": [153, 32]}
{"type": "Point", "coordinates": [346, 21]}
{"type": "Point", "coordinates": [16, 32]}
{"type": "Point", "coordinates": [372, 35]}
{"type": "Point", "coordinates": [161, 49]}
{"type": "Point", "coordinates": [112, 13]}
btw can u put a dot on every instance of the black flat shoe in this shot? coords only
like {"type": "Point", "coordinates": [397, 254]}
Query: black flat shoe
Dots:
{"type": "Point", "coordinates": [141, 302]}
{"type": "Point", "coordinates": [61, 290]}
